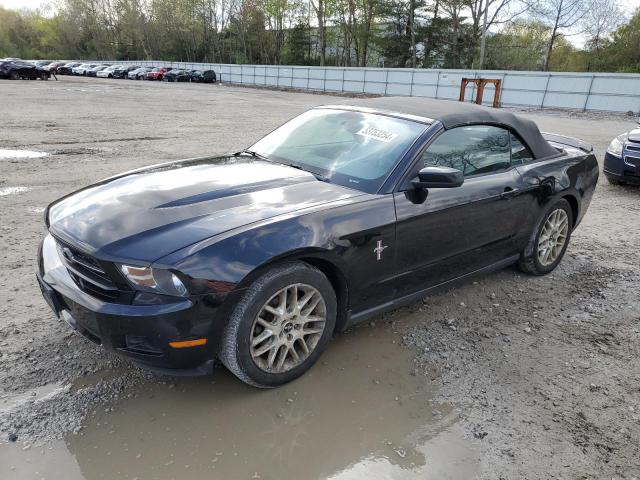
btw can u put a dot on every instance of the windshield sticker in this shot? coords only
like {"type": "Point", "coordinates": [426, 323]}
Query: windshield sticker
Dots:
{"type": "Point", "coordinates": [376, 134]}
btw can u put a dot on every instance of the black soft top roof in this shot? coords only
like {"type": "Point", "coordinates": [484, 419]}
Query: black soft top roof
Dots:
{"type": "Point", "coordinates": [456, 114]}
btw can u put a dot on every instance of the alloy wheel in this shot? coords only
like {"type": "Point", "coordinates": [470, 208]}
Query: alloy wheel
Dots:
{"type": "Point", "coordinates": [288, 328]}
{"type": "Point", "coordinates": [553, 237]}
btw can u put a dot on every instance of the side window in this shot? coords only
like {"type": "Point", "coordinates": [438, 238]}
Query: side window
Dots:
{"type": "Point", "coordinates": [474, 150]}
{"type": "Point", "coordinates": [519, 153]}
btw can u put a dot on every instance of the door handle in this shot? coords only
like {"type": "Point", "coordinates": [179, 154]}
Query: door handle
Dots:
{"type": "Point", "coordinates": [508, 193]}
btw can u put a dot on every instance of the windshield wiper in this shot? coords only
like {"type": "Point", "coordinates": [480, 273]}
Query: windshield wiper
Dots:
{"type": "Point", "coordinates": [252, 153]}
{"type": "Point", "coordinates": [318, 176]}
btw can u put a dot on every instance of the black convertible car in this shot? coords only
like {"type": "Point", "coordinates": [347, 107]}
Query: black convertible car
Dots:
{"type": "Point", "coordinates": [257, 258]}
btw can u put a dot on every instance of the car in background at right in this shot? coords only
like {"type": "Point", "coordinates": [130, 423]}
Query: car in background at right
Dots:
{"type": "Point", "coordinates": [203, 76]}
{"type": "Point", "coordinates": [622, 159]}
{"type": "Point", "coordinates": [157, 73]}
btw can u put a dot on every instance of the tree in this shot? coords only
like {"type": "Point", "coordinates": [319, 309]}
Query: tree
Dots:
{"type": "Point", "coordinates": [485, 14]}
{"type": "Point", "coordinates": [622, 53]}
{"type": "Point", "coordinates": [321, 9]}
{"type": "Point", "coordinates": [297, 45]}
{"type": "Point", "coordinates": [600, 20]}
{"type": "Point", "coordinates": [521, 45]}
{"type": "Point", "coordinates": [560, 16]}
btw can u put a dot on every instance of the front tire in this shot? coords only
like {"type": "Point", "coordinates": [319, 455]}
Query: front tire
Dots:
{"type": "Point", "coordinates": [549, 240]}
{"type": "Point", "coordinates": [281, 325]}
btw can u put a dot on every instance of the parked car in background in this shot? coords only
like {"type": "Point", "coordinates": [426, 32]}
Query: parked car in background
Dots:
{"type": "Point", "coordinates": [41, 63]}
{"type": "Point", "coordinates": [138, 73]}
{"type": "Point", "coordinates": [19, 69]}
{"type": "Point", "coordinates": [82, 68]}
{"type": "Point", "coordinates": [203, 76]}
{"type": "Point", "coordinates": [157, 73]}
{"type": "Point", "coordinates": [107, 72]}
{"type": "Point", "coordinates": [67, 68]}
{"type": "Point", "coordinates": [92, 72]}
{"type": "Point", "coordinates": [622, 159]}
{"type": "Point", "coordinates": [177, 75]}
{"type": "Point", "coordinates": [10, 59]}
{"type": "Point", "coordinates": [54, 66]}
{"type": "Point", "coordinates": [174, 74]}
{"type": "Point", "coordinates": [124, 70]}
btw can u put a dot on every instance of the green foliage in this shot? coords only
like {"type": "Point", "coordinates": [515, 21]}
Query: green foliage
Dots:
{"type": "Point", "coordinates": [622, 53]}
{"type": "Point", "coordinates": [298, 46]}
{"type": "Point", "coordinates": [520, 46]}
{"type": "Point", "coordinates": [431, 33]}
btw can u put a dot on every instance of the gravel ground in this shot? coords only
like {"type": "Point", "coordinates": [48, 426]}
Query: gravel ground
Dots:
{"type": "Point", "coordinates": [543, 371]}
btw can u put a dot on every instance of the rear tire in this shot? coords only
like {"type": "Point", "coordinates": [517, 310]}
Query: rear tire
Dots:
{"type": "Point", "coordinates": [549, 241]}
{"type": "Point", "coordinates": [272, 337]}
{"type": "Point", "coordinates": [13, 75]}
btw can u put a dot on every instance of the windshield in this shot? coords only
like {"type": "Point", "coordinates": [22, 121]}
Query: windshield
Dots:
{"type": "Point", "coordinates": [354, 149]}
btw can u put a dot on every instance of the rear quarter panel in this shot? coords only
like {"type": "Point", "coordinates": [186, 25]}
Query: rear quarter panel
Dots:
{"type": "Point", "coordinates": [572, 175]}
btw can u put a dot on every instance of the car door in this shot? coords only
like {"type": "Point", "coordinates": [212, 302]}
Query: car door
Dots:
{"type": "Point", "coordinates": [450, 232]}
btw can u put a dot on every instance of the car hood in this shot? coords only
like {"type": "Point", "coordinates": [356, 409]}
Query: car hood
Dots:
{"type": "Point", "coordinates": [145, 214]}
{"type": "Point", "coordinates": [634, 135]}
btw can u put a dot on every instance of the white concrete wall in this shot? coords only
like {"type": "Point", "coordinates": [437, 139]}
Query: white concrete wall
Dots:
{"type": "Point", "coordinates": [617, 92]}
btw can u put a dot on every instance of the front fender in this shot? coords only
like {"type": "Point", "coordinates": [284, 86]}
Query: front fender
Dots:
{"type": "Point", "coordinates": [344, 236]}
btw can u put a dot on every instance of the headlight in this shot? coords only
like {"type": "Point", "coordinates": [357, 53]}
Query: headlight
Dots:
{"type": "Point", "coordinates": [154, 280]}
{"type": "Point", "coordinates": [615, 147]}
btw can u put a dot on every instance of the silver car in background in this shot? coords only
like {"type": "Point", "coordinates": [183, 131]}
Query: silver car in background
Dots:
{"type": "Point", "coordinates": [81, 69]}
{"type": "Point", "coordinates": [138, 73]}
{"type": "Point", "coordinates": [107, 72]}
{"type": "Point", "coordinates": [92, 72]}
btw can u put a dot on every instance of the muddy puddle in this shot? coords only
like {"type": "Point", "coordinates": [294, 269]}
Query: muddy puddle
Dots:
{"type": "Point", "coordinates": [358, 414]}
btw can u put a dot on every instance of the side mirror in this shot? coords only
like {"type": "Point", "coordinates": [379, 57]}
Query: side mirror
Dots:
{"type": "Point", "coordinates": [438, 177]}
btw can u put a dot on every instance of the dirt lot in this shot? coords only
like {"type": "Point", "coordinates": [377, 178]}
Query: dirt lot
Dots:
{"type": "Point", "coordinates": [504, 377]}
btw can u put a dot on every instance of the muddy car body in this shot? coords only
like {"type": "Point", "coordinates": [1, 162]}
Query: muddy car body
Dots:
{"type": "Point", "coordinates": [257, 258]}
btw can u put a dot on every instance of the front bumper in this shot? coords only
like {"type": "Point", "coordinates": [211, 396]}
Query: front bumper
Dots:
{"type": "Point", "coordinates": [140, 332]}
{"type": "Point", "coordinates": [624, 169]}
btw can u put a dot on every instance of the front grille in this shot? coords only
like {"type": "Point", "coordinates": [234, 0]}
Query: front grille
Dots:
{"type": "Point", "coordinates": [633, 148]}
{"type": "Point", "coordinates": [633, 161]}
{"type": "Point", "coordinates": [87, 273]}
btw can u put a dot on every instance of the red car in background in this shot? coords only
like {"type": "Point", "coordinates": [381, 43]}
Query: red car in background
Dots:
{"type": "Point", "coordinates": [157, 73]}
